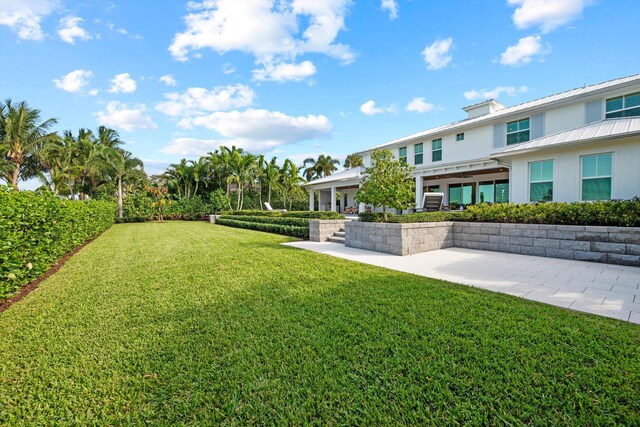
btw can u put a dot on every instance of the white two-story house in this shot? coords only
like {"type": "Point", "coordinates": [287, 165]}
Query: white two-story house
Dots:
{"type": "Point", "coordinates": [578, 145]}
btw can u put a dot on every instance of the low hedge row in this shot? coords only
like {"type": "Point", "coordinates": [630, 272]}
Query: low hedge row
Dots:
{"type": "Point", "coordinates": [289, 214]}
{"type": "Point", "coordinates": [618, 213]}
{"type": "Point", "coordinates": [287, 230]}
{"type": "Point", "coordinates": [414, 217]}
{"type": "Point", "coordinates": [38, 229]}
{"type": "Point", "coordinates": [294, 222]}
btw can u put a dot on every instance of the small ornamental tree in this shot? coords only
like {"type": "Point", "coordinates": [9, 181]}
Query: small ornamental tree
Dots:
{"type": "Point", "coordinates": [387, 182]}
{"type": "Point", "coordinates": [160, 194]}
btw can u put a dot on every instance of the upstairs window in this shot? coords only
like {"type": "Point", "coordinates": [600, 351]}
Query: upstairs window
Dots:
{"type": "Point", "coordinates": [623, 106]}
{"type": "Point", "coordinates": [460, 136]}
{"type": "Point", "coordinates": [436, 150]}
{"type": "Point", "coordinates": [541, 181]}
{"type": "Point", "coordinates": [418, 154]}
{"type": "Point", "coordinates": [402, 155]}
{"type": "Point", "coordinates": [518, 131]}
{"type": "Point", "coordinates": [596, 177]}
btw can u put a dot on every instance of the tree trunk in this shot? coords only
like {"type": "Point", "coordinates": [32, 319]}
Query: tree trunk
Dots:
{"type": "Point", "coordinates": [384, 213]}
{"type": "Point", "coordinates": [196, 190]}
{"type": "Point", "coordinates": [14, 177]}
{"type": "Point", "coordinates": [260, 195]}
{"type": "Point", "coordinates": [120, 197]}
{"type": "Point", "coordinates": [71, 187]}
{"type": "Point", "coordinates": [269, 195]}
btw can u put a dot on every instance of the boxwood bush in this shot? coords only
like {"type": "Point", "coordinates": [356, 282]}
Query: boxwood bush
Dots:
{"type": "Point", "coordinates": [289, 214]}
{"type": "Point", "coordinates": [294, 222]}
{"type": "Point", "coordinates": [38, 229]}
{"type": "Point", "coordinates": [620, 213]}
{"type": "Point", "coordinates": [265, 224]}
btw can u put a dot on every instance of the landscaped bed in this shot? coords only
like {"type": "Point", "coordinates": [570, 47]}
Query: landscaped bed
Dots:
{"type": "Point", "coordinates": [182, 322]}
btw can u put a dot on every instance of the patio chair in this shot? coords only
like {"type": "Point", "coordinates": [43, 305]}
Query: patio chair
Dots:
{"type": "Point", "coordinates": [269, 208]}
{"type": "Point", "coordinates": [431, 202]}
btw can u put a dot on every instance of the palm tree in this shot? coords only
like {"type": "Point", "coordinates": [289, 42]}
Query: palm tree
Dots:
{"type": "Point", "coordinates": [21, 137]}
{"type": "Point", "coordinates": [271, 177]}
{"type": "Point", "coordinates": [323, 166]}
{"type": "Point", "coordinates": [198, 171]}
{"type": "Point", "coordinates": [124, 167]}
{"type": "Point", "coordinates": [291, 181]}
{"type": "Point", "coordinates": [353, 161]}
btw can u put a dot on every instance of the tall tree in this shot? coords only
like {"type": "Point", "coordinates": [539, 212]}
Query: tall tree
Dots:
{"type": "Point", "coordinates": [353, 161]}
{"type": "Point", "coordinates": [22, 135]}
{"type": "Point", "coordinates": [320, 167]}
{"type": "Point", "coordinates": [290, 182]}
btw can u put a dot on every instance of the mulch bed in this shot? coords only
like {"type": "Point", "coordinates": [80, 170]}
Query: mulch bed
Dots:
{"type": "Point", "coordinates": [33, 285]}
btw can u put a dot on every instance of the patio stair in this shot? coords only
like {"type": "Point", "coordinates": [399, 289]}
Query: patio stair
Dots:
{"type": "Point", "coordinates": [338, 236]}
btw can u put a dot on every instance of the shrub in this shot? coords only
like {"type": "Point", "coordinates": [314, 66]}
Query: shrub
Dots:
{"type": "Point", "coordinates": [38, 229]}
{"type": "Point", "coordinates": [138, 205]}
{"type": "Point", "coordinates": [429, 217]}
{"type": "Point", "coordinates": [288, 230]}
{"type": "Point", "coordinates": [295, 222]}
{"type": "Point", "coordinates": [128, 219]}
{"type": "Point", "coordinates": [219, 201]}
{"type": "Point", "coordinates": [289, 214]}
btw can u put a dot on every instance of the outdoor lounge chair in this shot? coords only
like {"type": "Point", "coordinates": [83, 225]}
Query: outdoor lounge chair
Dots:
{"type": "Point", "coordinates": [431, 202]}
{"type": "Point", "coordinates": [269, 208]}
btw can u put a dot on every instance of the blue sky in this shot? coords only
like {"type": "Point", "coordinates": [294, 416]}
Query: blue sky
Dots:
{"type": "Point", "coordinates": [296, 78]}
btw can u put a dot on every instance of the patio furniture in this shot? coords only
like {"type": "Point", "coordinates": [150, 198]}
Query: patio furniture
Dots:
{"type": "Point", "coordinates": [431, 202]}
{"type": "Point", "coordinates": [269, 208]}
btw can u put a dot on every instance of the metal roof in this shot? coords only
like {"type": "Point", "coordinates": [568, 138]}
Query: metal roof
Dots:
{"type": "Point", "coordinates": [345, 175]}
{"type": "Point", "coordinates": [520, 108]}
{"type": "Point", "coordinates": [596, 131]}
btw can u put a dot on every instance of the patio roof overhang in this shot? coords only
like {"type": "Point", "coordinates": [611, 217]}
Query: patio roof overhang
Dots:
{"type": "Point", "coordinates": [344, 179]}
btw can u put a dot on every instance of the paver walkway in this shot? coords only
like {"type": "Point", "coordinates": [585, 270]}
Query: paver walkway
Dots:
{"type": "Point", "coordinates": [604, 289]}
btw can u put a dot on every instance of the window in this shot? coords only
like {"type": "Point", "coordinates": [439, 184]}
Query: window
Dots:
{"type": "Point", "coordinates": [460, 136]}
{"type": "Point", "coordinates": [624, 106]}
{"type": "Point", "coordinates": [486, 192]}
{"type": "Point", "coordinates": [518, 131]}
{"type": "Point", "coordinates": [541, 181]}
{"type": "Point", "coordinates": [596, 177]}
{"type": "Point", "coordinates": [436, 150]}
{"type": "Point", "coordinates": [433, 189]}
{"type": "Point", "coordinates": [418, 157]}
{"type": "Point", "coordinates": [462, 194]}
{"type": "Point", "coordinates": [402, 155]}
{"type": "Point", "coordinates": [502, 191]}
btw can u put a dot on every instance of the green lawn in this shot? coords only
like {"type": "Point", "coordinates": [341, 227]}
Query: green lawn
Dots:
{"type": "Point", "coordinates": [200, 324]}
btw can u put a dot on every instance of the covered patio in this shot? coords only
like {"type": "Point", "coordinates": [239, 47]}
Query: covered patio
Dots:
{"type": "Point", "coordinates": [336, 192]}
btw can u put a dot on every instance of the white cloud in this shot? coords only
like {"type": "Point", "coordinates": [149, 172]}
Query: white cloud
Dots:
{"type": "Point", "coordinates": [272, 31]}
{"type": "Point", "coordinates": [369, 108]}
{"type": "Point", "coordinates": [199, 101]}
{"type": "Point", "coordinates": [392, 7]}
{"type": "Point", "coordinates": [285, 72]}
{"type": "Point", "coordinates": [112, 27]}
{"type": "Point", "coordinates": [261, 129]}
{"type": "Point", "coordinates": [123, 83]}
{"type": "Point", "coordinates": [228, 68]}
{"type": "Point", "coordinates": [495, 92]}
{"type": "Point", "coordinates": [437, 54]}
{"type": "Point", "coordinates": [24, 16]}
{"type": "Point", "coordinates": [94, 92]}
{"type": "Point", "coordinates": [69, 30]}
{"type": "Point", "coordinates": [523, 52]}
{"type": "Point", "coordinates": [74, 81]}
{"type": "Point", "coordinates": [419, 105]}
{"type": "Point", "coordinates": [168, 80]}
{"type": "Point", "coordinates": [125, 117]}
{"type": "Point", "coordinates": [546, 14]}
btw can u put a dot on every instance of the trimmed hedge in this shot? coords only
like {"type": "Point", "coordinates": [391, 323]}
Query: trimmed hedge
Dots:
{"type": "Point", "coordinates": [618, 213]}
{"type": "Point", "coordinates": [38, 229]}
{"type": "Point", "coordinates": [294, 222]}
{"type": "Point", "coordinates": [288, 230]}
{"type": "Point", "coordinates": [289, 214]}
{"type": "Point", "coordinates": [414, 217]}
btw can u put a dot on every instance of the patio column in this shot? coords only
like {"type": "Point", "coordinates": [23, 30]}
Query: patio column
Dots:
{"type": "Point", "coordinates": [311, 199]}
{"type": "Point", "coordinates": [333, 199]}
{"type": "Point", "coordinates": [419, 191]}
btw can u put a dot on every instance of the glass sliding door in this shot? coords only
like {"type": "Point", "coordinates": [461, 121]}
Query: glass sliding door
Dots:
{"type": "Point", "coordinates": [502, 191]}
{"type": "Point", "coordinates": [486, 192]}
{"type": "Point", "coordinates": [462, 194]}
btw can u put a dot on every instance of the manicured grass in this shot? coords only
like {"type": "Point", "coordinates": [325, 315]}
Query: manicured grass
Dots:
{"type": "Point", "coordinates": [192, 323]}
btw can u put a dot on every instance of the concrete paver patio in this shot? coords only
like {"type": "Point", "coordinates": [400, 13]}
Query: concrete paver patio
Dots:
{"type": "Point", "coordinates": [604, 289]}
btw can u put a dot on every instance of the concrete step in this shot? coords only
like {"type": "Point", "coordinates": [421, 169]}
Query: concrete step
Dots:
{"type": "Point", "coordinates": [339, 234]}
{"type": "Point", "coordinates": [336, 239]}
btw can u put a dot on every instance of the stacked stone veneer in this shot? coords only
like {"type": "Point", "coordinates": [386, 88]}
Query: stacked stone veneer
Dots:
{"type": "Point", "coordinates": [613, 245]}
{"type": "Point", "coordinates": [321, 229]}
{"type": "Point", "coordinates": [399, 239]}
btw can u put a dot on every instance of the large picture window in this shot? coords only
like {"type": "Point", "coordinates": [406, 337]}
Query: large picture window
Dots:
{"type": "Point", "coordinates": [402, 155]}
{"type": "Point", "coordinates": [462, 194]}
{"type": "Point", "coordinates": [436, 150]}
{"type": "Point", "coordinates": [518, 131]}
{"type": "Point", "coordinates": [418, 154]}
{"type": "Point", "coordinates": [541, 181]}
{"type": "Point", "coordinates": [624, 106]}
{"type": "Point", "coordinates": [596, 177]}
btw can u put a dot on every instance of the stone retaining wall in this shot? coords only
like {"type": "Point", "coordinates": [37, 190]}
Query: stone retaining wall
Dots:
{"type": "Point", "coordinates": [399, 239]}
{"type": "Point", "coordinates": [613, 245]}
{"type": "Point", "coordinates": [321, 229]}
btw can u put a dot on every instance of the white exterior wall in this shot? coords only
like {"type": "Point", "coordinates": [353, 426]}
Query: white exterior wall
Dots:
{"type": "Point", "coordinates": [567, 174]}
{"type": "Point", "coordinates": [563, 118]}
